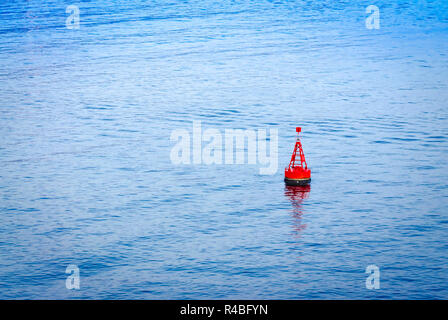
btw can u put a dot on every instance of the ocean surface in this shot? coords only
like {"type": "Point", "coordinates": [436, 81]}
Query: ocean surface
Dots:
{"type": "Point", "coordinates": [86, 177]}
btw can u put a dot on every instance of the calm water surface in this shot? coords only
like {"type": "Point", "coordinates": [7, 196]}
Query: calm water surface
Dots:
{"type": "Point", "coordinates": [86, 178]}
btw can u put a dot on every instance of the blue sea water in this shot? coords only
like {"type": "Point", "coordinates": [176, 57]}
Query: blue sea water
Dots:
{"type": "Point", "coordinates": [86, 178]}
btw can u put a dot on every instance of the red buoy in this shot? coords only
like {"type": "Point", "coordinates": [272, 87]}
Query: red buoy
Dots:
{"type": "Point", "coordinates": [297, 174]}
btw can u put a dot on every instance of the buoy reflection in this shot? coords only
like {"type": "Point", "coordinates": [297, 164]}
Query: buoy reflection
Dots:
{"type": "Point", "coordinates": [297, 194]}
